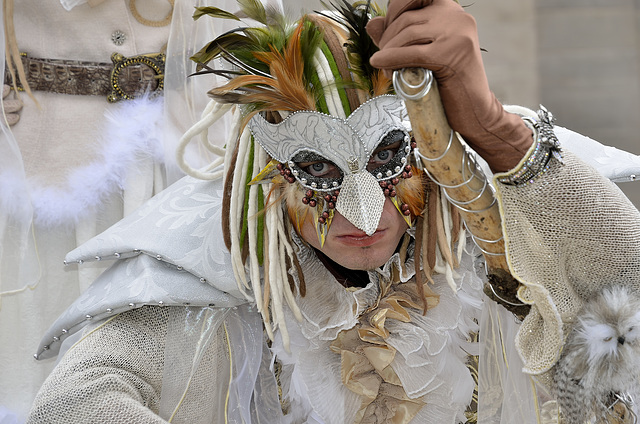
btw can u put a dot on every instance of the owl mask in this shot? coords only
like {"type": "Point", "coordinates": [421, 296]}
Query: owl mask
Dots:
{"type": "Point", "coordinates": [342, 164]}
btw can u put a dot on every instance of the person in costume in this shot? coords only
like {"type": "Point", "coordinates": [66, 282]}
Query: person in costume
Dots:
{"type": "Point", "coordinates": [319, 275]}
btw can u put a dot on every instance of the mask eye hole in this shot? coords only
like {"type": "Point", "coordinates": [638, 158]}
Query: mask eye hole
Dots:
{"type": "Point", "coordinates": [315, 171]}
{"type": "Point", "coordinates": [382, 156]}
{"type": "Point", "coordinates": [389, 153]}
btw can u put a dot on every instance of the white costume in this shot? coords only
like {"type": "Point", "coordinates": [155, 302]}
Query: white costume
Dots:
{"type": "Point", "coordinates": [180, 329]}
{"type": "Point", "coordinates": [158, 333]}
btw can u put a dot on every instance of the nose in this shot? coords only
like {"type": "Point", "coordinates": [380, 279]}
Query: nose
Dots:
{"type": "Point", "coordinates": [621, 340]}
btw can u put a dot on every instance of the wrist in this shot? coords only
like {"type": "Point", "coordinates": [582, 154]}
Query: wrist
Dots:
{"type": "Point", "coordinates": [544, 149]}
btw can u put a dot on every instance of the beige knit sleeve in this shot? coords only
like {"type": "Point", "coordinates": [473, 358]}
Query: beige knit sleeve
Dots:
{"type": "Point", "coordinates": [569, 232]}
{"type": "Point", "coordinates": [113, 374]}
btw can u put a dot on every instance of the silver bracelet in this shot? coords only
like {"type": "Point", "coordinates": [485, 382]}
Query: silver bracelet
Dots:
{"type": "Point", "coordinates": [539, 160]}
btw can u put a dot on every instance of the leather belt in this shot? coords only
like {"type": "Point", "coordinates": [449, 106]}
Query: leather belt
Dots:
{"type": "Point", "coordinates": [124, 78]}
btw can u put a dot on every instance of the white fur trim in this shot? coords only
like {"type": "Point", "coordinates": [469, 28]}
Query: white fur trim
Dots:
{"type": "Point", "coordinates": [133, 130]}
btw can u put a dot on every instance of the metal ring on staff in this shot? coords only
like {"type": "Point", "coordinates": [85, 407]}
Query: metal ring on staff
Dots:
{"type": "Point", "coordinates": [424, 85]}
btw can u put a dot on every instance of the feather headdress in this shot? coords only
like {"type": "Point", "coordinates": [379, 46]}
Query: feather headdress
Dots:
{"type": "Point", "coordinates": [274, 67]}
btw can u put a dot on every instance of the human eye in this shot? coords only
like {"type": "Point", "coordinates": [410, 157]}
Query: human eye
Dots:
{"type": "Point", "coordinates": [315, 165]}
{"type": "Point", "coordinates": [383, 155]}
{"type": "Point", "coordinates": [318, 169]}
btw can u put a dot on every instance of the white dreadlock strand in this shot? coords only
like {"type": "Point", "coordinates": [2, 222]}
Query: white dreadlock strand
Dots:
{"type": "Point", "coordinates": [287, 249]}
{"type": "Point", "coordinates": [252, 239]}
{"type": "Point", "coordinates": [236, 209]}
{"type": "Point", "coordinates": [444, 223]}
{"type": "Point", "coordinates": [275, 276]}
{"type": "Point", "coordinates": [212, 113]}
{"type": "Point", "coordinates": [326, 77]}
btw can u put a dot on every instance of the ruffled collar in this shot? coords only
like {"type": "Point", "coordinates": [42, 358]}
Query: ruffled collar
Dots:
{"type": "Point", "coordinates": [388, 359]}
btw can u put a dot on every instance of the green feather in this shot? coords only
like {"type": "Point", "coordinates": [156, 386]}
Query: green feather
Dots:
{"type": "Point", "coordinates": [254, 10]}
{"type": "Point", "coordinates": [245, 209]}
{"type": "Point", "coordinates": [260, 228]}
{"type": "Point", "coordinates": [213, 12]}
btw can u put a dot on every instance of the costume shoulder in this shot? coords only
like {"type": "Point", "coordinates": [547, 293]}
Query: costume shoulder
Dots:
{"type": "Point", "coordinates": [169, 252]}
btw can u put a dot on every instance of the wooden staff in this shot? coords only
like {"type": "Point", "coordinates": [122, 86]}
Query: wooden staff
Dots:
{"type": "Point", "coordinates": [453, 168]}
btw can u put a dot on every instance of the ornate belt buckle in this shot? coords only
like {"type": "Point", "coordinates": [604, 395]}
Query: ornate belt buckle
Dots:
{"type": "Point", "coordinates": [154, 61]}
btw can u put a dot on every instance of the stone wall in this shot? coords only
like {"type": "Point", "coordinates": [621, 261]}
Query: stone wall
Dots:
{"type": "Point", "coordinates": [579, 58]}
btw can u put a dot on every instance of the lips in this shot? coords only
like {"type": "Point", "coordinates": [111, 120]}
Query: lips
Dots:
{"type": "Point", "coordinates": [360, 238]}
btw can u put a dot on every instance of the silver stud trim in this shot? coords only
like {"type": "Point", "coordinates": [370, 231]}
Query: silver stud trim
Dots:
{"type": "Point", "coordinates": [118, 37]}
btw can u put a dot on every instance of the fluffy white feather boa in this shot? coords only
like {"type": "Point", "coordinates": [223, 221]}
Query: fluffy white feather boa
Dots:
{"type": "Point", "coordinates": [132, 132]}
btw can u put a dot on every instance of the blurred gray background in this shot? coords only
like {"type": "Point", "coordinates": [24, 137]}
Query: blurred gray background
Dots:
{"type": "Point", "coordinates": [579, 58]}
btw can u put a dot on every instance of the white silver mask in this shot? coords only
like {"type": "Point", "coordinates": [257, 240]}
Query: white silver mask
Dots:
{"type": "Point", "coordinates": [348, 144]}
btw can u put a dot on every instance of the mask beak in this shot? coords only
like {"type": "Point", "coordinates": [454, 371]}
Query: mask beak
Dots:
{"type": "Point", "coordinates": [361, 201]}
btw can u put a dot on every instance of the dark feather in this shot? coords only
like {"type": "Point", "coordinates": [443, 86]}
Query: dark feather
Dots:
{"type": "Point", "coordinates": [213, 49]}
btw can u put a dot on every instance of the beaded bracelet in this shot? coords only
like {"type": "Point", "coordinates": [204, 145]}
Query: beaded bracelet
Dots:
{"type": "Point", "coordinates": [539, 158]}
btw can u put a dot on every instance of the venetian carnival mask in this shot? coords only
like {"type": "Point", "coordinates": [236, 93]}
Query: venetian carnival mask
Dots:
{"type": "Point", "coordinates": [348, 165]}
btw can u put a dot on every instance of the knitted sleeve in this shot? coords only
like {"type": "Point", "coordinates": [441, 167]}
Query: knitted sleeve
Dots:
{"type": "Point", "coordinates": [113, 374]}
